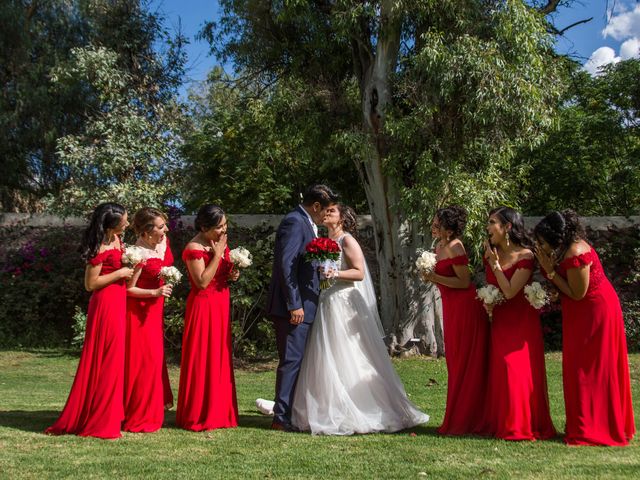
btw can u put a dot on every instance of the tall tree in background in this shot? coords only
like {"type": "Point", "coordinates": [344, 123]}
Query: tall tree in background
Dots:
{"type": "Point", "coordinates": [592, 161]}
{"type": "Point", "coordinates": [40, 35]}
{"type": "Point", "coordinates": [446, 92]}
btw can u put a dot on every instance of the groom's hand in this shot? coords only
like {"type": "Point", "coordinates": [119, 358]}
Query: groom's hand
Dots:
{"type": "Point", "coordinates": [297, 316]}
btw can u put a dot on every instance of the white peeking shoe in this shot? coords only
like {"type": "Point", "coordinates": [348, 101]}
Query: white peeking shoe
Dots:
{"type": "Point", "coordinates": [265, 407]}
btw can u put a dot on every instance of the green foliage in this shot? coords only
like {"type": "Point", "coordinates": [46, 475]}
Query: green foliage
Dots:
{"type": "Point", "coordinates": [480, 83]}
{"type": "Point", "coordinates": [254, 149]}
{"type": "Point", "coordinates": [39, 37]}
{"type": "Point", "coordinates": [79, 328]}
{"type": "Point", "coordinates": [591, 162]}
{"type": "Point", "coordinates": [127, 151]}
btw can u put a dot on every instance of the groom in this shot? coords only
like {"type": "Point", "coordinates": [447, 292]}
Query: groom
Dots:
{"type": "Point", "coordinates": [293, 294]}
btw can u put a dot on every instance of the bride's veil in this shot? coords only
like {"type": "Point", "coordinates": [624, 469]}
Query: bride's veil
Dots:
{"type": "Point", "coordinates": [365, 287]}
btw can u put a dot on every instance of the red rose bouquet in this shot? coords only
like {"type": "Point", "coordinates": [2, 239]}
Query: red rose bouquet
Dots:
{"type": "Point", "coordinates": [323, 253]}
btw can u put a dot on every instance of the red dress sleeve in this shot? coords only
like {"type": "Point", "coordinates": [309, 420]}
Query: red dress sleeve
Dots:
{"type": "Point", "coordinates": [527, 263]}
{"type": "Point", "coordinates": [97, 259]}
{"type": "Point", "coordinates": [459, 260]}
{"type": "Point", "coordinates": [577, 261]}
{"type": "Point", "coordinates": [193, 254]}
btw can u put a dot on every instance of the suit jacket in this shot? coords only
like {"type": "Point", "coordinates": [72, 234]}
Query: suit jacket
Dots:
{"type": "Point", "coordinates": [294, 281]}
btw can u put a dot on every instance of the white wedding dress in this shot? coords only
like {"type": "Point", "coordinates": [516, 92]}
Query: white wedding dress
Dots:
{"type": "Point", "coordinates": [347, 383]}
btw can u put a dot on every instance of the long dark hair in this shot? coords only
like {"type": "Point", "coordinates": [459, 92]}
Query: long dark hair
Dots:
{"type": "Point", "coordinates": [517, 234]}
{"type": "Point", "coordinates": [208, 216]}
{"type": "Point", "coordinates": [560, 230]}
{"type": "Point", "coordinates": [105, 216]}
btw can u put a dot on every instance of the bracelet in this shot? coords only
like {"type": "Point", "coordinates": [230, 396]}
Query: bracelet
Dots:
{"type": "Point", "coordinates": [551, 274]}
{"type": "Point", "coordinates": [496, 267]}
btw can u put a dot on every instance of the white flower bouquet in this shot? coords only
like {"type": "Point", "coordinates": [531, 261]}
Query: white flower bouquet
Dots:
{"type": "Point", "coordinates": [133, 255]}
{"type": "Point", "coordinates": [536, 295]}
{"type": "Point", "coordinates": [491, 296]}
{"type": "Point", "coordinates": [426, 261]}
{"type": "Point", "coordinates": [241, 257]}
{"type": "Point", "coordinates": [171, 275]}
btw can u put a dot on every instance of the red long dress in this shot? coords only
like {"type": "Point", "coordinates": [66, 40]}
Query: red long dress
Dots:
{"type": "Point", "coordinates": [595, 366]}
{"type": "Point", "coordinates": [146, 382]}
{"type": "Point", "coordinates": [207, 392]}
{"type": "Point", "coordinates": [518, 402]}
{"type": "Point", "coordinates": [466, 340]}
{"type": "Point", "coordinates": [94, 407]}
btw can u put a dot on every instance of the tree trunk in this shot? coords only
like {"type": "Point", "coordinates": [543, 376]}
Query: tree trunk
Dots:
{"type": "Point", "coordinates": [408, 308]}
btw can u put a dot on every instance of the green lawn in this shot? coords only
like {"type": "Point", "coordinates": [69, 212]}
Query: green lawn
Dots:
{"type": "Point", "coordinates": [34, 386]}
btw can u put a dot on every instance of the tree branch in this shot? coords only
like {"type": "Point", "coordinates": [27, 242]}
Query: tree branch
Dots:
{"type": "Point", "coordinates": [586, 20]}
{"type": "Point", "coordinates": [550, 7]}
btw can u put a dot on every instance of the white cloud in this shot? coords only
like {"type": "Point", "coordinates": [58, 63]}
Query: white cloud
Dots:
{"type": "Point", "coordinates": [630, 49]}
{"type": "Point", "coordinates": [602, 56]}
{"type": "Point", "coordinates": [623, 24]}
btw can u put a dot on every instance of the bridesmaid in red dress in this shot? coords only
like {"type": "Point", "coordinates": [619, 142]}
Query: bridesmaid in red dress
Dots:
{"type": "Point", "coordinates": [146, 383]}
{"type": "Point", "coordinates": [207, 392]}
{"type": "Point", "coordinates": [595, 366]}
{"type": "Point", "coordinates": [94, 407]}
{"type": "Point", "coordinates": [518, 403]}
{"type": "Point", "coordinates": [466, 328]}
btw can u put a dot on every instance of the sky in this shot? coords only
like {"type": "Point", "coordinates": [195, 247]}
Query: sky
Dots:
{"type": "Point", "coordinates": [612, 35]}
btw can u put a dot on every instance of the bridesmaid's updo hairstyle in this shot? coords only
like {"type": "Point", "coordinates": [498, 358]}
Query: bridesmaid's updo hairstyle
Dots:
{"type": "Point", "coordinates": [452, 218]}
{"type": "Point", "coordinates": [143, 220]}
{"type": "Point", "coordinates": [105, 216]}
{"type": "Point", "coordinates": [348, 219]}
{"type": "Point", "coordinates": [208, 216]}
{"type": "Point", "coordinates": [560, 229]}
{"type": "Point", "coordinates": [517, 234]}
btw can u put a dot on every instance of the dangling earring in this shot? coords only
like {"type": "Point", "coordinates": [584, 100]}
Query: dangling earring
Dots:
{"type": "Point", "coordinates": [507, 239]}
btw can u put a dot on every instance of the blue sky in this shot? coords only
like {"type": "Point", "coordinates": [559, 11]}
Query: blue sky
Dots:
{"type": "Point", "coordinates": [612, 35]}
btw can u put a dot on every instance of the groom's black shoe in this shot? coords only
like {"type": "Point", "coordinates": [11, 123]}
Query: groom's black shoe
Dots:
{"type": "Point", "coordinates": [283, 427]}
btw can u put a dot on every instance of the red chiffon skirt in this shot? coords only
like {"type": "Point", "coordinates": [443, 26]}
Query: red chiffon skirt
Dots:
{"type": "Point", "coordinates": [94, 407]}
{"type": "Point", "coordinates": [146, 382]}
{"type": "Point", "coordinates": [595, 370]}
{"type": "Point", "coordinates": [518, 403]}
{"type": "Point", "coordinates": [466, 340]}
{"type": "Point", "coordinates": [207, 394]}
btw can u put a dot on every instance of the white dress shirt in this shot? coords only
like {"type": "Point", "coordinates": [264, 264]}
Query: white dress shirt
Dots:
{"type": "Point", "coordinates": [313, 225]}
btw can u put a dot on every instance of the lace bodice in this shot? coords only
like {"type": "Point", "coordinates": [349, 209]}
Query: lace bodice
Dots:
{"type": "Point", "coordinates": [596, 272]}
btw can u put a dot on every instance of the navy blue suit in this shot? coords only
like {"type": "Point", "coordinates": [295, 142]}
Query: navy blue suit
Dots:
{"type": "Point", "coordinates": [294, 284]}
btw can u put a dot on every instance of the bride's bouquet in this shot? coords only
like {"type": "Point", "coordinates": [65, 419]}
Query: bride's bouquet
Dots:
{"type": "Point", "coordinates": [536, 295]}
{"type": "Point", "coordinates": [133, 255]}
{"type": "Point", "coordinates": [323, 253]}
{"type": "Point", "coordinates": [171, 275]}
{"type": "Point", "coordinates": [426, 261]}
{"type": "Point", "coordinates": [491, 296]}
{"type": "Point", "coordinates": [241, 257]}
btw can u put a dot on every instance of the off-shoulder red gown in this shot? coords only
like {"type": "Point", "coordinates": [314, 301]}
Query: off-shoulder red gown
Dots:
{"type": "Point", "coordinates": [595, 366]}
{"type": "Point", "coordinates": [94, 407]}
{"type": "Point", "coordinates": [207, 393]}
{"type": "Point", "coordinates": [518, 402]}
{"type": "Point", "coordinates": [146, 382]}
{"type": "Point", "coordinates": [466, 340]}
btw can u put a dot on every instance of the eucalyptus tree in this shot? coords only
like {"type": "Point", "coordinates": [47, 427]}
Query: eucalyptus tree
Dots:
{"type": "Point", "coordinates": [445, 90]}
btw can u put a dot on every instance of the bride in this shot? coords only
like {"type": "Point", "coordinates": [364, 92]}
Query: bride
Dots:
{"type": "Point", "coordinates": [347, 383]}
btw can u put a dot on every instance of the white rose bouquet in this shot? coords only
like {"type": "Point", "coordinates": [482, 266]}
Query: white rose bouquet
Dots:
{"type": "Point", "coordinates": [490, 296]}
{"type": "Point", "coordinates": [536, 295]}
{"type": "Point", "coordinates": [426, 261]}
{"type": "Point", "coordinates": [171, 275]}
{"type": "Point", "coordinates": [241, 257]}
{"type": "Point", "coordinates": [133, 255]}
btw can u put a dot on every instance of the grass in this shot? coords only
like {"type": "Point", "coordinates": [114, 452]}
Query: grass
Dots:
{"type": "Point", "coordinates": [34, 387]}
